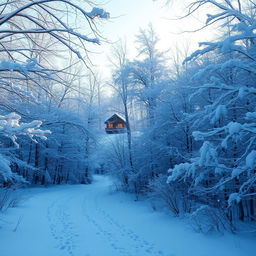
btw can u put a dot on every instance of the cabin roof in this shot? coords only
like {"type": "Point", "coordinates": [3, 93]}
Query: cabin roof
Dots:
{"type": "Point", "coordinates": [109, 120]}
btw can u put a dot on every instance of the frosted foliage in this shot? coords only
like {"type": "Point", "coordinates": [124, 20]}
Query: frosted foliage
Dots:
{"type": "Point", "coordinates": [208, 154]}
{"type": "Point", "coordinates": [11, 127]}
{"type": "Point", "coordinates": [31, 65]}
{"type": "Point", "coordinates": [98, 12]}
{"type": "Point", "coordinates": [178, 170]}
{"type": "Point", "coordinates": [219, 113]}
{"type": "Point", "coordinates": [234, 128]}
{"type": "Point", "coordinates": [236, 172]}
{"type": "Point", "coordinates": [5, 170]}
{"type": "Point", "coordinates": [208, 158]}
{"type": "Point", "coordinates": [198, 135]}
{"type": "Point", "coordinates": [10, 120]}
{"type": "Point", "coordinates": [251, 116]}
{"type": "Point", "coordinates": [251, 160]}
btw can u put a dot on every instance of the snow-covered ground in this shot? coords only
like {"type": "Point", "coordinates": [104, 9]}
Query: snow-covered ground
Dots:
{"type": "Point", "coordinates": [91, 220]}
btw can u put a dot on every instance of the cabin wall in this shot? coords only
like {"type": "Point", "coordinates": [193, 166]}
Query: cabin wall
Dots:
{"type": "Point", "coordinates": [115, 121]}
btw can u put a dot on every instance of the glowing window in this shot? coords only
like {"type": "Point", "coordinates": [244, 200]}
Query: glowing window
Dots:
{"type": "Point", "coordinates": [110, 125]}
{"type": "Point", "coordinates": [120, 125]}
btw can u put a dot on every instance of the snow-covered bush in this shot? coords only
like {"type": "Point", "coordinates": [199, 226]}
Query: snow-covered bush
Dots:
{"type": "Point", "coordinates": [171, 195]}
{"type": "Point", "coordinates": [206, 219]}
{"type": "Point", "coordinates": [112, 157]}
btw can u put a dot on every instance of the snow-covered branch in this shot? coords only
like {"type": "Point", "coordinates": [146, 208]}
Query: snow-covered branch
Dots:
{"type": "Point", "coordinates": [11, 127]}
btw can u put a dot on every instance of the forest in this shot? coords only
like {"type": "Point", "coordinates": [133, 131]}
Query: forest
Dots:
{"type": "Point", "coordinates": [190, 141]}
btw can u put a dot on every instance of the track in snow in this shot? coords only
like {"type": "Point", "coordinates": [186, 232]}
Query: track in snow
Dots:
{"type": "Point", "coordinates": [121, 238]}
{"type": "Point", "coordinates": [87, 220]}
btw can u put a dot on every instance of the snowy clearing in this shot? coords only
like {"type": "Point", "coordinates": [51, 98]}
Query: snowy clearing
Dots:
{"type": "Point", "coordinates": [91, 220]}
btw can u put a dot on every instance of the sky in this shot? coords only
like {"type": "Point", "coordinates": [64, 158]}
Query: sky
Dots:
{"type": "Point", "coordinates": [128, 17]}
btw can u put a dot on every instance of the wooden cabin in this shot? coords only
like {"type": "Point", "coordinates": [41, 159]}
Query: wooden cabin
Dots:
{"type": "Point", "coordinates": [115, 124]}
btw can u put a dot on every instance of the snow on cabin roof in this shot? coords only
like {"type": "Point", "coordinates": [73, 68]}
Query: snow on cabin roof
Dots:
{"type": "Point", "coordinates": [118, 116]}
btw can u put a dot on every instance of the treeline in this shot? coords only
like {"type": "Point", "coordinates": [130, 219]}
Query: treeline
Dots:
{"type": "Point", "coordinates": [46, 97]}
{"type": "Point", "coordinates": [197, 149]}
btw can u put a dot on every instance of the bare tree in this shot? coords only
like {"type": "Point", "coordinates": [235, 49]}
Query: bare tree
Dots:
{"type": "Point", "coordinates": [28, 29]}
{"type": "Point", "coordinates": [121, 86]}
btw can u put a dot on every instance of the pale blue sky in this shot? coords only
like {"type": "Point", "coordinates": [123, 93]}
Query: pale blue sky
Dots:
{"type": "Point", "coordinates": [128, 16]}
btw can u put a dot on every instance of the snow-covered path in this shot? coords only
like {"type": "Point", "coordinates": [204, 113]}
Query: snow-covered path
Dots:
{"type": "Point", "coordinates": [89, 220]}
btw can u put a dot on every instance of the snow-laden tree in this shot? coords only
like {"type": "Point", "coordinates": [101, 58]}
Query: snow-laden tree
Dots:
{"type": "Point", "coordinates": [141, 82]}
{"type": "Point", "coordinates": [11, 128]}
{"type": "Point", "coordinates": [148, 71]}
{"type": "Point", "coordinates": [73, 120]}
{"type": "Point", "coordinates": [122, 86]}
{"type": "Point", "coordinates": [223, 175]}
{"type": "Point", "coordinates": [41, 43]}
